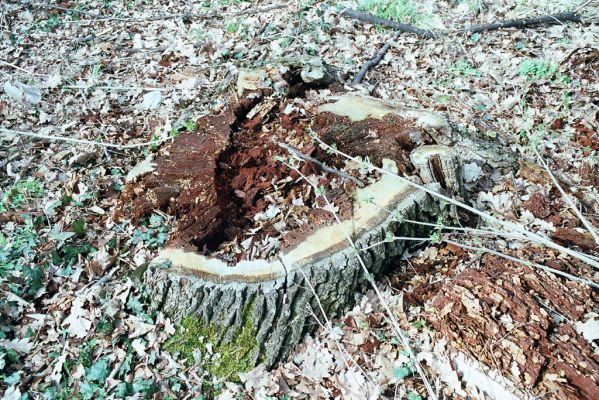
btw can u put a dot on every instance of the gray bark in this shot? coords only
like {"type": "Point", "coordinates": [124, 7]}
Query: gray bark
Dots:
{"type": "Point", "coordinates": [280, 309]}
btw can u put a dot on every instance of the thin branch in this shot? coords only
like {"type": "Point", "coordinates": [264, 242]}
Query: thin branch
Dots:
{"type": "Point", "coordinates": [323, 166]}
{"type": "Point", "coordinates": [118, 88]}
{"type": "Point", "coordinates": [80, 141]}
{"type": "Point", "coordinates": [581, 217]}
{"type": "Point", "coordinates": [20, 69]}
{"type": "Point", "coordinates": [522, 23]}
{"type": "Point", "coordinates": [398, 331]}
{"type": "Point", "coordinates": [214, 14]}
{"type": "Point", "coordinates": [524, 262]}
{"type": "Point", "coordinates": [509, 226]}
{"type": "Point", "coordinates": [371, 19]}
{"type": "Point", "coordinates": [374, 61]}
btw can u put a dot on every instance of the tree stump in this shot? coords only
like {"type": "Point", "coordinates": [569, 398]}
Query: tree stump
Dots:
{"type": "Point", "coordinates": [250, 234]}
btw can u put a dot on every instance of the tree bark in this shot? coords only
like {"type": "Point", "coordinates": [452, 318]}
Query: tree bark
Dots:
{"type": "Point", "coordinates": [280, 299]}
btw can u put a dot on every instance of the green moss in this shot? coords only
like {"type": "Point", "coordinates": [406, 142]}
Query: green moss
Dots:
{"type": "Point", "coordinates": [228, 358]}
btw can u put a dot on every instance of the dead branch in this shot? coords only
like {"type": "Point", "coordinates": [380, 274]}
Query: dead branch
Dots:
{"type": "Point", "coordinates": [520, 23]}
{"type": "Point", "coordinates": [324, 167]}
{"type": "Point", "coordinates": [524, 22]}
{"type": "Point", "coordinates": [374, 61]}
{"type": "Point", "coordinates": [214, 14]}
{"type": "Point", "coordinates": [405, 28]}
{"type": "Point", "coordinates": [371, 19]}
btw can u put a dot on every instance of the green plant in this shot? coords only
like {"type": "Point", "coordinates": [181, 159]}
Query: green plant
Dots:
{"type": "Point", "coordinates": [232, 27]}
{"type": "Point", "coordinates": [21, 192]}
{"type": "Point", "coordinates": [197, 35]}
{"type": "Point", "coordinates": [18, 269]}
{"type": "Point", "coordinates": [52, 22]}
{"type": "Point", "coordinates": [153, 234]}
{"type": "Point", "coordinates": [190, 126]}
{"type": "Point", "coordinates": [414, 396]}
{"type": "Point", "coordinates": [400, 10]}
{"type": "Point", "coordinates": [464, 68]}
{"type": "Point", "coordinates": [533, 69]}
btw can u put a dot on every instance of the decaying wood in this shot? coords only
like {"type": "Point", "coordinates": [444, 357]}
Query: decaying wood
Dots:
{"type": "Point", "coordinates": [272, 295]}
{"type": "Point", "coordinates": [439, 164]}
{"type": "Point", "coordinates": [323, 166]}
{"type": "Point", "coordinates": [504, 315]}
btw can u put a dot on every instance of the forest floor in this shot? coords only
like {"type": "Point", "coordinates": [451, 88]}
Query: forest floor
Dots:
{"type": "Point", "coordinates": [73, 321]}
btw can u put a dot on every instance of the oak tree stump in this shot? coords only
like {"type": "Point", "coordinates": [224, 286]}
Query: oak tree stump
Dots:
{"type": "Point", "coordinates": [249, 232]}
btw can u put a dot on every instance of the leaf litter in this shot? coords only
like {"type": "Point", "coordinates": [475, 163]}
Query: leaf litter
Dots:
{"type": "Point", "coordinates": [73, 320]}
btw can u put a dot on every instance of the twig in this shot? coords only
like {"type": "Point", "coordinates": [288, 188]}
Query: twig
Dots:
{"type": "Point", "coordinates": [398, 331]}
{"type": "Point", "coordinates": [119, 88]}
{"type": "Point", "coordinates": [581, 217]}
{"type": "Point", "coordinates": [374, 61]}
{"type": "Point", "coordinates": [214, 14]}
{"type": "Point", "coordinates": [371, 19]}
{"type": "Point", "coordinates": [323, 166]}
{"type": "Point", "coordinates": [524, 262]}
{"type": "Point", "coordinates": [20, 69]}
{"type": "Point", "coordinates": [509, 226]}
{"type": "Point", "coordinates": [524, 22]}
{"type": "Point", "coordinates": [80, 141]}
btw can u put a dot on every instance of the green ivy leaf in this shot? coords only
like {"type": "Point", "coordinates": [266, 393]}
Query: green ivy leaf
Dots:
{"type": "Point", "coordinates": [401, 373]}
{"type": "Point", "coordinates": [12, 379]}
{"type": "Point", "coordinates": [87, 390]}
{"type": "Point", "coordinates": [99, 371]}
{"type": "Point", "coordinates": [414, 396]}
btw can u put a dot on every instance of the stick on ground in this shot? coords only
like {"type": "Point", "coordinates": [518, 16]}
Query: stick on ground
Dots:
{"type": "Point", "coordinates": [405, 28]}
{"type": "Point", "coordinates": [371, 19]}
{"type": "Point", "coordinates": [323, 166]}
{"type": "Point", "coordinates": [374, 61]}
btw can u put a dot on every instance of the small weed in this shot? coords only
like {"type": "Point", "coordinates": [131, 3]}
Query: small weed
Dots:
{"type": "Point", "coordinates": [154, 138]}
{"type": "Point", "coordinates": [154, 234]}
{"type": "Point", "coordinates": [197, 35]}
{"type": "Point", "coordinates": [537, 69]}
{"type": "Point", "coordinates": [232, 27]}
{"type": "Point", "coordinates": [400, 10]}
{"type": "Point", "coordinates": [20, 193]}
{"type": "Point", "coordinates": [190, 126]}
{"type": "Point", "coordinates": [51, 23]}
{"type": "Point", "coordinates": [464, 68]}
